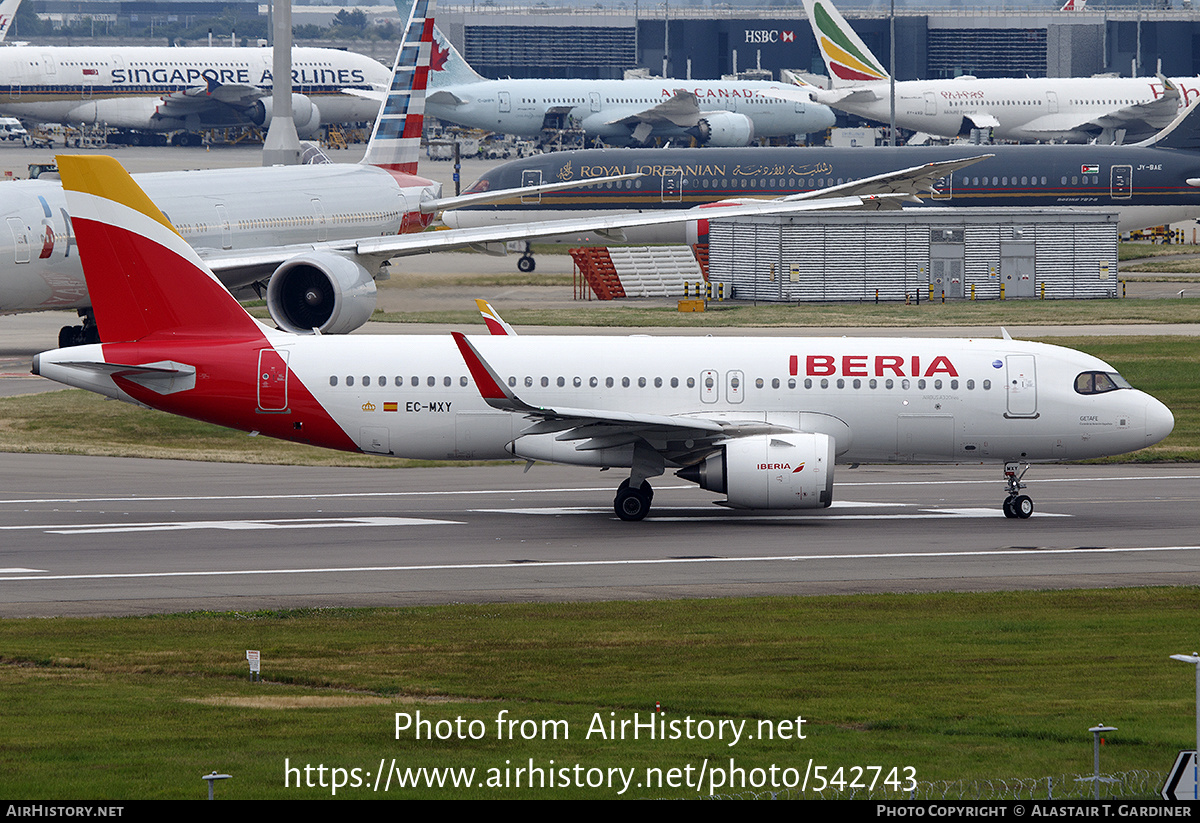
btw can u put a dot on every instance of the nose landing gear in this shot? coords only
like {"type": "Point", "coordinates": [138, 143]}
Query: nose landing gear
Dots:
{"type": "Point", "coordinates": [1016, 505]}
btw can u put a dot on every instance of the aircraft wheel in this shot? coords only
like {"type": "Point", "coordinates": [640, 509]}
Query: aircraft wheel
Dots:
{"type": "Point", "coordinates": [1009, 511]}
{"type": "Point", "coordinates": [526, 264]}
{"type": "Point", "coordinates": [645, 487]}
{"type": "Point", "coordinates": [633, 504]}
{"type": "Point", "coordinates": [1023, 506]}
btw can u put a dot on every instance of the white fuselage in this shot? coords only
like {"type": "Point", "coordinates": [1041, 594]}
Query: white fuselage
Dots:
{"type": "Point", "coordinates": [520, 107]}
{"type": "Point", "coordinates": [885, 399]}
{"type": "Point", "coordinates": [220, 212]}
{"type": "Point", "coordinates": [125, 86]}
{"type": "Point", "coordinates": [1026, 109]}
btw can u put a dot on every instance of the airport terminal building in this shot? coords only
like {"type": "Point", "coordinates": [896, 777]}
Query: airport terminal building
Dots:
{"type": "Point", "coordinates": [603, 39]}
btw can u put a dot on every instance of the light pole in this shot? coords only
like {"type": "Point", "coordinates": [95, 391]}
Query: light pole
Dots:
{"type": "Point", "coordinates": [1194, 659]}
{"type": "Point", "coordinates": [1096, 731]}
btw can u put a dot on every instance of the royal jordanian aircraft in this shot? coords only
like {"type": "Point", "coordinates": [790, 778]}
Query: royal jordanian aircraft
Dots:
{"type": "Point", "coordinates": [1100, 109]}
{"type": "Point", "coordinates": [761, 421]}
{"type": "Point", "coordinates": [1148, 184]}
{"type": "Point", "coordinates": [316, 235]}
{"type": "Point", "coordinates": [619, 112]}
{"type": "Point", "coordinates": [143, 89]}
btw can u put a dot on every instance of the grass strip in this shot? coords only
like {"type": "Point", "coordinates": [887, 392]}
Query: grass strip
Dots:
{"type": "Point", "coordinates": [958, 686]}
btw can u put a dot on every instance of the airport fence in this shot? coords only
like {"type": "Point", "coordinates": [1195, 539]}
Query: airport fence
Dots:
{"type": "Point", "coordinates": [1131, 785]}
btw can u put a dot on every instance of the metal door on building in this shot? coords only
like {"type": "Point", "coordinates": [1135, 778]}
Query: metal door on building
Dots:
{"type": "Point", "coordinates": [1017, 269]}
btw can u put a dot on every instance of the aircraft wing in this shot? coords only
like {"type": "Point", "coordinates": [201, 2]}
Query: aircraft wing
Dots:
{"type": "Point", "coordinates": [983, 120]}
{"type": "Point", "coordinates": [682, 109]}
{"type": "Point", "coordinates": [1138, 119]}
{"type": "Point", "coordinates": [199, 99]}
{"type": "Point", "coordinates": [829, 97]}
{"type": "Point", "coordinates": [910, 181]}
{"type": "Point", "coordinates": [254, 263]}
{"type": "Point", "coordinates": [477, 198]}
{"type": "Point", "coordinates": [656, 438]}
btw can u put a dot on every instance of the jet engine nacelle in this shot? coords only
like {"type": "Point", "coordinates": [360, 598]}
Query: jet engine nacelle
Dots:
{"type": "Point", "coordinates": [305, 114]}
{"type": "Point", "coordinates": [724, 128]}
{"type": "Point", "coordinates": [773, 471]}
{"type": "Point", "coordinates": [323, 291]}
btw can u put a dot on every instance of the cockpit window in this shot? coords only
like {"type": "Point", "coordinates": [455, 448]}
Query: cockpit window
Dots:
{"type": "Point", "coordinates": [1098, 382]}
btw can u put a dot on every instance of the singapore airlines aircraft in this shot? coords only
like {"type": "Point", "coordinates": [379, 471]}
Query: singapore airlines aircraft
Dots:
{"type": "Point", "coordinates": [620, 112]}
{"type": "Point", "coordinates": [316, 234]}
{"type": "Point", "coordinates": [142, 89]}
{"type": "Point", "coordinates": [1101, 109]}
{"type": "Point", "coordinates": [1154, 182]}
{"type": "Point", "coordinates": [761, 421]}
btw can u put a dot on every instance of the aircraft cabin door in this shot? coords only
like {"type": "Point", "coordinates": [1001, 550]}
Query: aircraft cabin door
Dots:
{"type": "Point", "coordinates": [531, 177]}
{"type": "Point", "coordinates": [1121, 182]}
{"type": "Point", "coordinates": [226, 228]}
{"type": "Point", "coordinates": [942, 188]}
{"type": "Point", "coordinates": [272, 380]}
{"type": "Point", "coordinates": [1051, 102]}
{"type": "Point", "coordinates": [20, 240]}
{"type": "Point", "coordinates": [930, 103]}
{"type": "Point", "coordinates": [1022, 385]}
{"type": "Point", "coordinates": [594, 100]}
{"type": "Point", "coordinates": [505, 101]}
{"type": "Point", "coordinates": [319, 217]}
{"type": "Point", "coordinates": [672, 185]}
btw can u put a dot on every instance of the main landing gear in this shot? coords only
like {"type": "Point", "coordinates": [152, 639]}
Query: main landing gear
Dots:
{"type": "Point", "coordinates": [1016, 505]}
{"type": "Point", "coordinates": [526, 263]}
{"type": "Point", "coordinates": [633, 503]}
{"type": "Point", "coordinates": [79, 335]}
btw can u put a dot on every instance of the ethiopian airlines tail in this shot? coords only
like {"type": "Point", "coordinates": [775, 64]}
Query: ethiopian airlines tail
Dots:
{"type": "Point", "coordinates": [847, 57]}
{"type": "Point", "coordinates": [396, 140]}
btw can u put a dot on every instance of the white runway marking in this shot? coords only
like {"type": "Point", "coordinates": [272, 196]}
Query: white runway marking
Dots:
{"type": "Point", "coordinates": [231, 525]}
{"type": "Point", "coordinates": [662, 561]}
{"type": "Point", "coordinates": [658, 516]}
{"type": "Point", "coordinates": [991, 481]}
{"type": "Point", "coordinates": [18, 570]}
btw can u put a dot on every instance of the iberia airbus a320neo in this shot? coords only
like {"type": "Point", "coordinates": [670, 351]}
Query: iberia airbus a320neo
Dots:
{"type": "Point", "coordinates": [761, 421]}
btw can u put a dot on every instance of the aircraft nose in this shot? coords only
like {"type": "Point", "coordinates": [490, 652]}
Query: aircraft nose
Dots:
{"type": "Point", "coordinates": [1159, 421]}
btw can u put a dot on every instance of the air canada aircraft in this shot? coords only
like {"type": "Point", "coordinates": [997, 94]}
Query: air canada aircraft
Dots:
{"type": "Point", "coordinates": [1148, 184]}
{"type": "Point", "coordinates": [318, 234]}
{"type": "Point", "coordinates": [1073, 109]}
{"type": "Point", "coordinates": [761, 421]}
{"type": "Point", "coordinates": [620, 112]}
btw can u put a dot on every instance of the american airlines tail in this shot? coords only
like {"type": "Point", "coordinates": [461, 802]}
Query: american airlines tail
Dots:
{"type": "Point", "coordinates": [847, 57]}
{"type": "Point", "coordinates": [396, 139]}
{"type": "Point", "coordinates": [8, 13]}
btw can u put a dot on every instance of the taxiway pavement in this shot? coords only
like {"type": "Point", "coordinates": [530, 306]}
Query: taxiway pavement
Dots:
{"type": "Point", "coordinates": [92, 535]}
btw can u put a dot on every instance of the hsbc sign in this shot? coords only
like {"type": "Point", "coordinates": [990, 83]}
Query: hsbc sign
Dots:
{"type": "Point", "coordinates": [770, 36]}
